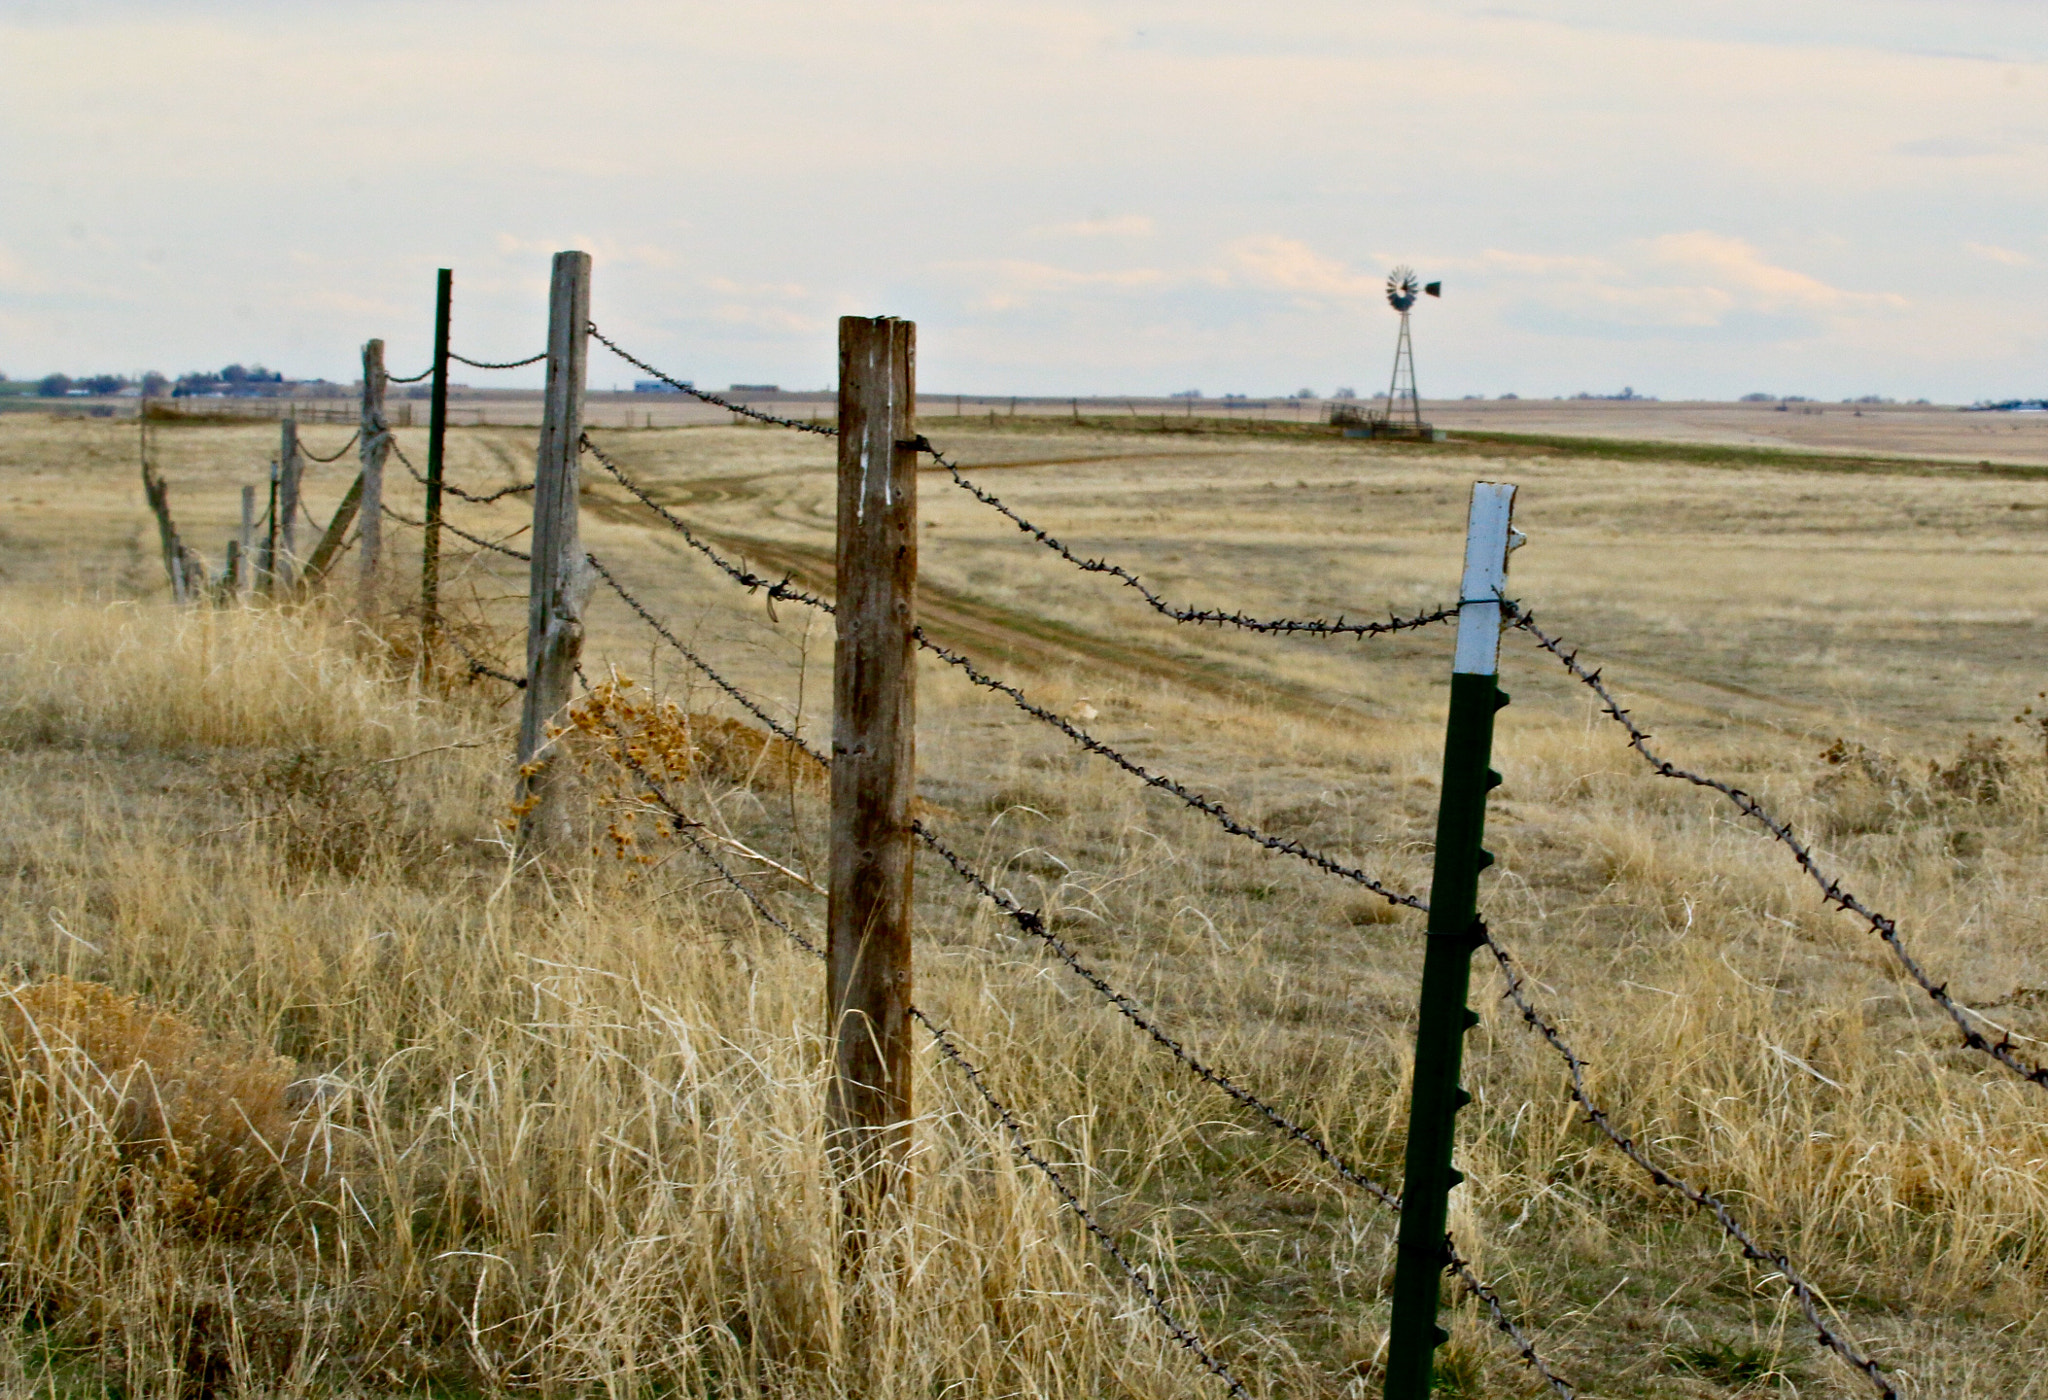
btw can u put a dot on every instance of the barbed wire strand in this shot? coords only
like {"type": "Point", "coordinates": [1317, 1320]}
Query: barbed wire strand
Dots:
{"type": "Point", "coordinates": [2001, 1050]}
{"type": "Point", "coordinates": [339, 452]}
{"type": "Point", "coordinates": [694, 392]}
{"type": "Point", "coordinates": [1714, 1205]}
{"type": "Point", "coordinates": [740, 697]}
{"type": "Point", "coordinates": [452, 489]}
{"type": "Point", "coordinates": [502, 364]}
{"type": "Point", "coordinates": [950, 1050]}
{"type": "Point", "coordinates": [1216, 811]}
{"type": "Point", "coordinates": [1282, 626]}
{"type": "Point", "coordinates": [1468, 1278]}
{"type": "Point", "coordinates": [478, 666]}
{"type": "Point", "coordinates": [461, 533]}
{"type": "Point", "coordinates": [746, 578]}
{"type": "Point", "coordinates": [408, 378]}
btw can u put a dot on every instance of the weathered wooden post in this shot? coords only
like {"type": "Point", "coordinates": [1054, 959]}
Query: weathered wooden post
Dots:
{"type": "Point", "coordinates": [437, 437]}
{"type": "Point", "coordinates": [289, 465]}
{"type": "Point", "coordinates": [246, 539]}
{"type": "Point", "coordinates": [266, 563]}
{"type": "Point", "coordinates": [874, 752]}
{"type": "Point", "coordinates": [1436, 1097]}
{"type": "Point", "coordinates": [559, 581]}
{"type": "Point", "coordinates": [374, 439]}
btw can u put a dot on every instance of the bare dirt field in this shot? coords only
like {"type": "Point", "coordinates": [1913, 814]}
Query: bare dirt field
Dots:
{"type": "Point", "coordinates": [1849, 635]}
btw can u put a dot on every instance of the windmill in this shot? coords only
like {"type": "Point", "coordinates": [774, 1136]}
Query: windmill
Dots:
{"type": "Point", "coordinates": [1403, 403]}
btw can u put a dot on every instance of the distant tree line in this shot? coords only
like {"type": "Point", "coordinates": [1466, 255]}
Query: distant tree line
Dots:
{"type": "Point", "coordinates": [234, 381]}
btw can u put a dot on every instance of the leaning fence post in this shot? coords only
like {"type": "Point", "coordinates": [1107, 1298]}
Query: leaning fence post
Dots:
{"type": "Point", "coordinates": [1436, 1097]}
{"type": "Point", "coordinates": [559, 580]}
{"type": "Point", "coordinates": [874, 770]}
{"type": "Point", "coordinates": [289, 464]}
{"type": "Point", "coordinates": [374, 438]}
{"type": "Point", "coordinates": [437, 436]}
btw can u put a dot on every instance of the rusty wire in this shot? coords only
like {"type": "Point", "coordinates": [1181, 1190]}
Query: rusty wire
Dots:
{"type": "Point", "coordinates": [1714, 1205]}
{"type": "Point", "coordinates": [746, 578]}
{"type": "Point", "coordinates": [1317, 627]}
{"type": "Point", "coordinates": [740, 697]}
{"type": "Point", "coordinates": [505, 364]}
{"type": "Point", "coordinates": [694, 392]}
{"type": "Point", "coordinates": [1831, 889]}
{"type": "Point", "coordinates": [452, 489]}
{"type": "Point", "coordinates": [339, 452]}
{"type": "Point", "coordinates": [460, 533]}
{"type": "Point", "coordinates": [479, 667]}
{"type": "Point", "coordinates": [1209, 807]}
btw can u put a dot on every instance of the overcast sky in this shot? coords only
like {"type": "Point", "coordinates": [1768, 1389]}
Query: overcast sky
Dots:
{"type": "Point", "coordinates": [1825, 197]}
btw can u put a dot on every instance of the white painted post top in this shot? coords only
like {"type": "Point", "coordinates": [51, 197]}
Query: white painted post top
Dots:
{"type": "Point", "coordinates": [1489, 535]}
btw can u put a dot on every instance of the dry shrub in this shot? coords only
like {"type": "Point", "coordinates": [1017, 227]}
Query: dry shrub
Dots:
{"type": "Point", "coordinates": [323, 812]}
{"type": "Point", "coordinates": [145, 1107]}
{"type": "Point", "coordinates": [631, 738]}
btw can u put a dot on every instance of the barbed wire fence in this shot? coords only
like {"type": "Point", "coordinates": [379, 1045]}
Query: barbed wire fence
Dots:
{"type": "Point", "coordinates": [1290, 1125]}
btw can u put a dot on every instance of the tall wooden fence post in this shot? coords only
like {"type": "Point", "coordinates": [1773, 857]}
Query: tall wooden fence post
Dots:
{"type": "Point", "coordinates": [1435, 1096]}
{"type": "Point", "coordinates": [374, 437]}
{"type": "Point", "coordinates": [560, 579]}
{"type": "Point", "coordinates": [874, 759]}
{"type": "Point", "coordinates": [246, 538]}
{"type": "Point", "coordinates": [437, 436]}
{"type": "Point", "coordinates": [289, 465]}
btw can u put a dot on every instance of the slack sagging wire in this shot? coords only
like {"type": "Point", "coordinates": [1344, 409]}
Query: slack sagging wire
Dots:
{"type": "Point", "coordinates": [1831, 889]}
{"type": "Point", "coordinates": [694, 392]}
{"type": "Point", "coordinates": [452, 489]}
{"type": "Point", "coordinates": [746, 578]}
{"type": "Point", "coordinates": [1714, 1205]}
{"type": "Point", "coordinates": [339, 452]}
{"type": "Point", "coordinates": [408, 378]}
{"type": "Point", "coordinates": [1216, 811]}
{"type": "Point", "coordinates": [499, 364]}
{"type": "Point", "coordinates": [1285, 626]}
{"type": "Point", "coordinates": [740, 697]}
{"type": "Point", "coordinates": [480, 667]}
{"type": "Point", "coordinates": [463, 534]}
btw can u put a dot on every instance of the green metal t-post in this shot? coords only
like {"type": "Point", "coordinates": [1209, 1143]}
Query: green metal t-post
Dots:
{"type": "Point", "coordinates": [437, 438]}
{"type": "Point", "coordinates": [1447, 958]}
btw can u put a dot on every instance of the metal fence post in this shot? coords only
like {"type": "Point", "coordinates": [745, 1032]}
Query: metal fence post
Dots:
{"type": "Point", "coordinates": [559, 580]}
{"type": "Point", "coordinates": [289, 467]}
{"type": "Point", "coordinates": [1443, 1019]}
{"type": "Point", "coordinates": [437, 437]}
{"type": "Point", "coordinates": [874, 761]}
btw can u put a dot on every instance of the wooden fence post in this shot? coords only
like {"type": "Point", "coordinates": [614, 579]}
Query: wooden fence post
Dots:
{"type": "Point", "coordinates": [289, 464]}
{"type": "Point", "coordinates": [874, 768]}
{"type": "Point", "coordinates": [437, 437]}
{"type": "Point", "coordinates": [246, 538]}
{"type": "Point", "coordinates": [374, 436]}
{"type": "Point", "coordinates": [560, 579]}
{"type": "Point", "coordinates": [266, 563]}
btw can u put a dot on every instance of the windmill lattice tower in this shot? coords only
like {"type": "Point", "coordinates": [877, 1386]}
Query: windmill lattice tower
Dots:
{"type": "Point", "coordinates": [1404, 404]}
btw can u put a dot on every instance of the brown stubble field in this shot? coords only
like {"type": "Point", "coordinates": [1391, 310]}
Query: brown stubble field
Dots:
{"type": "Point", "coordinates": [1753, 612]}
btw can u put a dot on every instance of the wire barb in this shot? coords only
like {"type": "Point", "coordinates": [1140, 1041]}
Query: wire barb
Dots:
{"type": "Point", "coordinates": [746, 578]}
{"type": "Point", "coordinates": [822, 430]}
{"type": "Point", "coordinates": [1714, 1205]}
{"type": "Point", "coordinates": [1831, 890]}
{"type": "Point", "coordinates": [1216, 811]}
{"type": "Point", "coordinates": [1283, 626]}
{"type": "Point", "coordinates": [740, 697]}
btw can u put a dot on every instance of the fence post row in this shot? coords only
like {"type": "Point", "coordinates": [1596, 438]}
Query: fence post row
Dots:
{"type": "Point", "coordinates": [874, 773]}
{"type": "Point", "coordinates": [560, 580]}
{"type": "Point", "coordinates": [437, 435]}
{"type": "Point", "coordinates": [289, 465]}
{"type": "Point", "coordinates": [1435, 1096]}
{"type": "Point", "coordinates": [374, 444]}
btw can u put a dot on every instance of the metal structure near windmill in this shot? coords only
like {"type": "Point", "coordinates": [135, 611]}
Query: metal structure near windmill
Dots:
{"type": "Point", "coordinates": [1402, 415]}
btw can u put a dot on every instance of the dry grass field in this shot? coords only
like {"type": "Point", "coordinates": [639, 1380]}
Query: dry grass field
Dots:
{"type": "Point", "coordinates": [440, 1125]}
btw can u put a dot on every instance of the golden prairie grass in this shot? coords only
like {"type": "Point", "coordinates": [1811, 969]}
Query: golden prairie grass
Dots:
{"type": "Point", "coordinates": [545, 1081]}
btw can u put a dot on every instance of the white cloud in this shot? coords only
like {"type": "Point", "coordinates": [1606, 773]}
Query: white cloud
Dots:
{"type": "Point", "coordinates": [1991, 252]}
